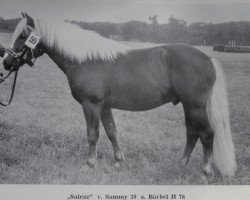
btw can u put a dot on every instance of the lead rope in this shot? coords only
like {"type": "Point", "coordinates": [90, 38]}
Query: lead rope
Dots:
{"type": "Point", "coordinates": [14, 82]}
{"type": "Point", "coordinates": [16, 73]}
{"type": "Point", "coordinates": [13, 85]}
{"type": "Point", "coordinates": [12, 90]}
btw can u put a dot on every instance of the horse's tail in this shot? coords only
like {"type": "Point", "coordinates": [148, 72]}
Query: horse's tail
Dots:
{"type": "Point", "coordinates": [218, 112]}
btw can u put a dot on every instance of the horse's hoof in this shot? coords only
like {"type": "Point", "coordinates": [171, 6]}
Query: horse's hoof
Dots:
{"type": "Point", "coordinates": [118, 165]}
{"type": "Point", "coordinates": [208, 171]}
{"type": "Point", "coordinates": [91, 162]}
{"type": "Point", "coordinates": [205, 180]}
{"type": "Point", "coordinates": [208, 176]}
{"type": "Point", "coordinates": [120, 156]}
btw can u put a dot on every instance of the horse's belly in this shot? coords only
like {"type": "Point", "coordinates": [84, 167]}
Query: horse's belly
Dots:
{"type": "Point", "coordinates": [135, 100]}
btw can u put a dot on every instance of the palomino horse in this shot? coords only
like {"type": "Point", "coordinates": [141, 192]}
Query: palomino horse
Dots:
{"type": "Point", "coordinates": [104, 74]}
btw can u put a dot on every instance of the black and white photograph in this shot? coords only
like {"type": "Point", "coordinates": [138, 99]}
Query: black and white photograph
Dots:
{"type": "Point", "coordinates": [125, 92]}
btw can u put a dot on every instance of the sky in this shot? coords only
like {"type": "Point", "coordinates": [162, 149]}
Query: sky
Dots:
{"type": "Point", "coordinates": [214, 11]}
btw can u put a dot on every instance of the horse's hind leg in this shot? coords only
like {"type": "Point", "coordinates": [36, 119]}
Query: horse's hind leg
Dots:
{"type": "Point", "coordinates": [109, 126]}
{"type": "Point", "coordinates": [192, 137]}
{"type": "Point", "coordinates": [199, 125]}
{"type": "Point", "coordinates": [92, 115]}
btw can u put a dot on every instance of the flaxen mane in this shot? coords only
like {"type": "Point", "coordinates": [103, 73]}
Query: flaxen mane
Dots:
{"type": "Point", "coordinates": [77, 43]}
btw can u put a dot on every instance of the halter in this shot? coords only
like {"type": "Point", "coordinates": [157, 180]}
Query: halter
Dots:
{"type": "Point", "coordinates": [19, 60]}
{"type": "Point", "coordinates": [30, 44]}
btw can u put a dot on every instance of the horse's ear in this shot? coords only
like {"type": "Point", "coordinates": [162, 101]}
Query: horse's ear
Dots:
{"type": "Point", "coordinates": [23, 15]}
{"type": "Point", "coordinates": [30, 21]}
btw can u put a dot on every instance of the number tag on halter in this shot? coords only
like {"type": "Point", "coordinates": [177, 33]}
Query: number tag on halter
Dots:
{"type": "Point", "coordinates": [32, 40]}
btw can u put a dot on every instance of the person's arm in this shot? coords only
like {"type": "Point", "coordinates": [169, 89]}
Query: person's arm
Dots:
{"type": "Point", "coordinates": [2, 51]}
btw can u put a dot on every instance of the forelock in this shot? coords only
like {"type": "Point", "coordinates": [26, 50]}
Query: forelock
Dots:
{"type": "Point", "coordinates": [19, 29]}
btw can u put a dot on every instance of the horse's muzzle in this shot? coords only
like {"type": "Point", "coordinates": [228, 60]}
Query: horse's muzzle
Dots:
{"type": "Point", "coordinates": [7, 65]}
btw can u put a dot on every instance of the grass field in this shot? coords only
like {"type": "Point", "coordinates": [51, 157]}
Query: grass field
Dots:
{"type": "Point", "coordinates": [43, 133]}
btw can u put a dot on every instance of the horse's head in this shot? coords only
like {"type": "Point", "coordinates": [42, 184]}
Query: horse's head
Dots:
{"type": "Point", "coordinates": [25, 45]}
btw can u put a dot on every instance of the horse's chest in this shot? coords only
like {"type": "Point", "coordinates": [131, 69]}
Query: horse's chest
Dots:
{"type": "Point", "coordinates": [87, 86]}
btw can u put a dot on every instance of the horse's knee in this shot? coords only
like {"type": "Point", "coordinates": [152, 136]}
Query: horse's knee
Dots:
{"type": "Point", "coordinates": [93, 137]}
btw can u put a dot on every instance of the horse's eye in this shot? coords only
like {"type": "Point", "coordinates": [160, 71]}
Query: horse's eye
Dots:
{"type": "Point", "coordinates": [22, 36]}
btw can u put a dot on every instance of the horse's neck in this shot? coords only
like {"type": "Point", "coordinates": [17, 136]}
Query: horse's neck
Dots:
{"type": "Point", "coordinates": [53, 53]}
{"type": "Point", "coordinates": [61, 61]}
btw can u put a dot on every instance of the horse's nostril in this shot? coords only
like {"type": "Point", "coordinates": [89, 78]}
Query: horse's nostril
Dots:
{"type": "Point", "coordinates": [6, 65]}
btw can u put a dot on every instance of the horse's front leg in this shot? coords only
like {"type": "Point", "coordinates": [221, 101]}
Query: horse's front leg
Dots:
{"type": "Point", "coordinates": [109, 126]}
{"type": "Point", "coordinates": [92, 114]}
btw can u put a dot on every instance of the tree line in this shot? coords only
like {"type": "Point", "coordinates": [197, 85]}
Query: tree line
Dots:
{"type": "Point", "coordinates": [8, 25]}
{"type": "Point", "coordinates": [174, 31]}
